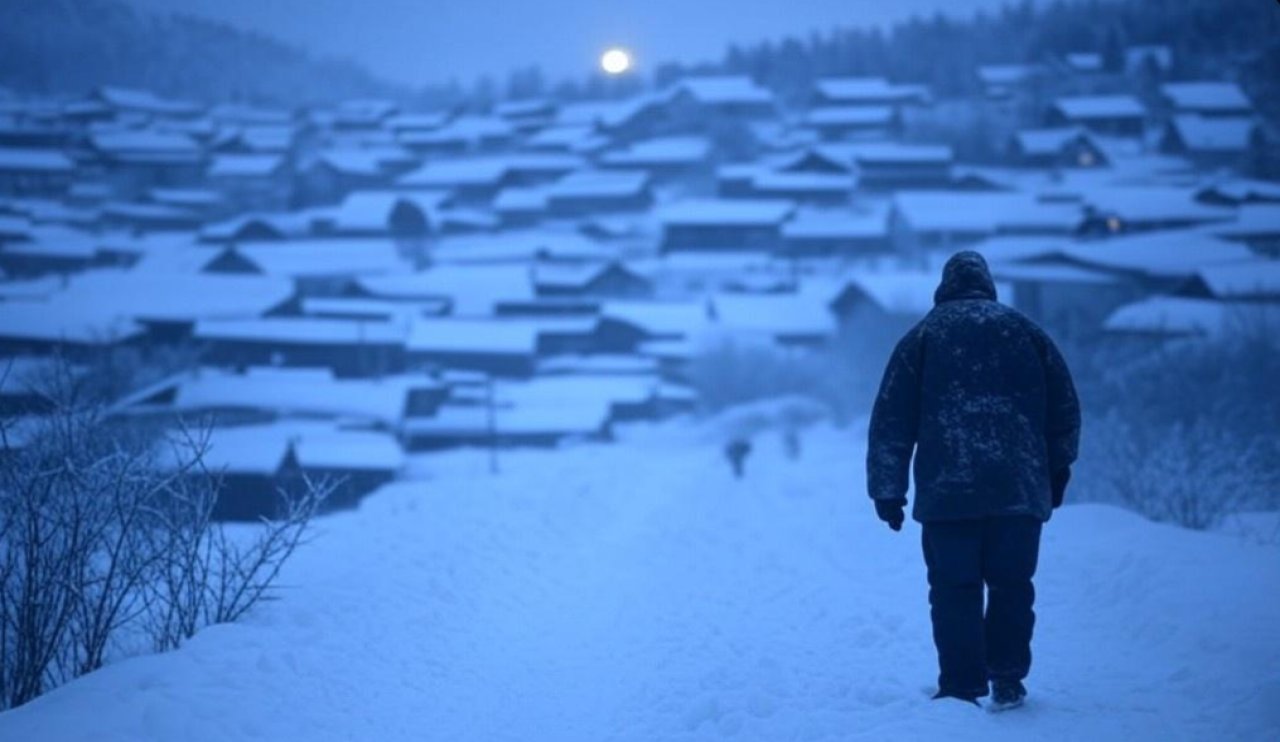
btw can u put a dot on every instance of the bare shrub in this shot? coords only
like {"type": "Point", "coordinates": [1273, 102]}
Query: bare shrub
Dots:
{"type": "Point", "coordinates": [98, 540]}
{"type": "Point", "coordinates": [1186, 433]}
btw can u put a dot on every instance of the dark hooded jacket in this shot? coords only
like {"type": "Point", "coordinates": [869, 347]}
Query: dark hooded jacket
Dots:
{"type": "Point", "coordinates": [983, 398]}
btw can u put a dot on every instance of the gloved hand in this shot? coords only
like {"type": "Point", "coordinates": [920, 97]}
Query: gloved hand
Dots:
{"type": "Point", "coordinates": [890, 511]}
{"type": "Point", "coordinates": [1058, 485]}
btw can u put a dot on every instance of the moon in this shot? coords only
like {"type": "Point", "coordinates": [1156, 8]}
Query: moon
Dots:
{"type": "Point", "coordinates": [615, 61]}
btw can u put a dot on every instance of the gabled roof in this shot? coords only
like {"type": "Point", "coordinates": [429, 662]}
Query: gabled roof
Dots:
{"type": "Point", "coordinates": [685, 150]}
{"type": "Point", "coordinates": [244, 166]}
{"type": "Point", "coordinates": [735, 212]}
{"type": "Point", "coordinates": [1247, 279]}
{"type": "Point", "coordinates": [849, 116]}
{"type": "Point", "coordinates": [1207, 97]}
{"type": "Point", "coordinates": [599, 184]}
{"type": "Point", "coordinates": [175, 297]}
{"type": "Point", "coordinates": [1086, 108]}
{"type": "Point", "coordinates": [324, 257]}
{"type": "Point", "coordinates": [865, 89]}
{"type": "Point", "coordinates": [23, 159]}
{"type": "Point", "coordinates": [723, 89]}
{"type": "Point", "coordinates": [301, 331]}
{"type": "Point", "coordinates": [371, 211]}
{"type": "Point", "coordinates": [1050, 141]}
{"type": "Point", "coordinates": [1214, 134]}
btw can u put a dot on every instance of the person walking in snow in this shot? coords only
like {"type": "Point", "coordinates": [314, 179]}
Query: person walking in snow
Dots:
{"type": "Point", "coordinates": [736, 451]}
{"type": "Point", "coordinates": [985, 401]}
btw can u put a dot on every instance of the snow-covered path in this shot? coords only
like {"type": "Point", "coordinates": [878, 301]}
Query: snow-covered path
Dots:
{"type": "Point", "coordinates": [637, 592]}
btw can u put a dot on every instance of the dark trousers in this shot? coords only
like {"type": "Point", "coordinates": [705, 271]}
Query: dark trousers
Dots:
{"type": "Point", "coordinates": [961, 557]}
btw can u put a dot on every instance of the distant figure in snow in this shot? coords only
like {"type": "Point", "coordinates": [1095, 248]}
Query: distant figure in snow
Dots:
{"type": "Point", "coordinates": [791, 443]}
{"type": "Point", "coordinates": [984, 399]}
{"type": "Point", "coordinates": [736, 451]}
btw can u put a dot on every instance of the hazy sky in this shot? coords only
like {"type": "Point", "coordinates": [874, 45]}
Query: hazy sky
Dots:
{"type": "Point", "coordinates": [418, 41]}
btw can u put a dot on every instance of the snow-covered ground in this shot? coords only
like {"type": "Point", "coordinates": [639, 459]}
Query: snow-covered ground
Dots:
{"type": "Point", "coordinates": [637, 592]}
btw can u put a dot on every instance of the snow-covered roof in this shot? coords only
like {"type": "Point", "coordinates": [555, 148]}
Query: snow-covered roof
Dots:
{"type": "Point", "coordinates": [897, 292]}
{"type": "Point", "coordinates": [27, 159]}
{"type": "Point", "coordinates": [866, 89]}
{"type": "Point", "coordinates": [466, 130]}
{"type": "Point", "coordinates": [893, 152]}
{"type": "Point", "coordinates": [736, 212]}
{"type": "Point", "coordinates": [774, 314]}
{"type": "Point", "coordinates": [174, 297]}
{"type": "Point", "coordinates": [607, 114]}
{"type": "Point", "coordinates": [146, 144]}
{"type": "Point", "coordinates": [599, 184]}
{"type": "Point", "coordinates": [1207, 97]}
{"type": "Point", "coordinates": [539, 419]}
{"type": "Point", "coordinates": [522, 198]}
{"type": "Point", "coordinates": [1168, 316]}
{"type": "Point", "coordinates": [500, 336]}
{"type": "Point", "coordinates": [472, 289]}
{"type": "Point", "coordinates": [302, 331]}
{"type": "Point", "coordinates": [1214, 134]}
{"type": "Point", "coordinates": [193, 197]}
{"type": "Point", "coordinates": [984, 212]}
{"type": "Point", "coordinates": [724, 89]}
{"type": "Point", "coordinates": [1049, 273]}
{"type": "Point", "coordinates": [1084, 61]}
{"type": "Point", "coordinates": [261, 449]}
{"type": "Point", "coordinates": [685, 150]}
{"type": "Point", "coordinates": [1252, 220]}
{"type": "Point", "coordinates": [1088, 107]}
{"type": "Point", "coordinates": [770, 183]}
{"type": "Point", "coordinates": [567, 275]}
{"type": "Point", "coordinates": [659, 318]}
{"type": "Point", "coordinates": [371, 211]}
{"type": "Point", "coordinates": [362, 162]}
{"type": "Point", "coordinates": [470, 171]}
{"type": "Point", "coordinates": [287, 391]}
{"type": "Point", "coordinates": [1006, 74]}
{"type": "Point", "coordinates": [519, 245]}
{"type": "Point", "coordinates": [422, 121]}
{"type": "Point", "coordinates": [244, 166]}
{"type": "Point", "coordinates": [1248, 279]}
{"type": "Point", "coordinates": [64, 321]}
{"type": "Point", "coordinates": [1162, 254]}
{"type": "Point", "coordinates": [142, 100]}
{"type": "Point", "coordinates": [849, 116]}
{"type": "Point", "coordinates": [1048, 141]}
{"type": "Point", "coordinates": [1154, 204]}
{"type": "Point", "coordinates": [324, 257]}
{"type": "Point", "coordinates": [834, 224]}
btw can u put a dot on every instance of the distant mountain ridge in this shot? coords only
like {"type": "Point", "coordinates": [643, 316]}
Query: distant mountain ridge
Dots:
{"type": "Point", "coordinates": [71, 46]}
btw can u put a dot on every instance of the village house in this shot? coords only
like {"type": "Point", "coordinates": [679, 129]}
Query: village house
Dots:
{"type": "Point", "coordinates": [251, 182]}
{"type": "Point", "coordinates": [1066, 147]}
{"type": "Point", "coordinates": [1211, 142]}
{"type": "Point", "coordinates": [135, 161]}
{"type": "Point", "coordinates": [34, 172]}
{"type": "Point", "coordinates": [351, 348]}
{"type": "Point", "coordinates": [1207, 98]}
{"type": "Point", "coordinates": [724, 224]}
{"type": "Point", "coordinates": [1118, 115]}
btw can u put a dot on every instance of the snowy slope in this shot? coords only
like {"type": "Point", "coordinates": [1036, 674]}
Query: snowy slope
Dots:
{"type": "Point", "coordinates": [636, 592]}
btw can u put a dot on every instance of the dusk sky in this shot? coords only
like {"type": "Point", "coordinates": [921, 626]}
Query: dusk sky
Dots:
{"type": "Point", "coordinates": [420, 41]}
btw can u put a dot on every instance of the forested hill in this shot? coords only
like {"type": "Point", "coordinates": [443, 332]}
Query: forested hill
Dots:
{"type": "Point", "coordinates": [1210, 39]}
{"type": "Point", "coordinates": [71, 46]}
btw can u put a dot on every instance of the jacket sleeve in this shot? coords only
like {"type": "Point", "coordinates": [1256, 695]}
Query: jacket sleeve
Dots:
{"type": "Point", "coordinates": [1062, 418]}
{"type": "Point", "coordinates": [895, 422]}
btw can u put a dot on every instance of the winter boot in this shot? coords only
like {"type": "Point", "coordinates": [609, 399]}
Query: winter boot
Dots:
{"type": "Point", "coordinates": [966, 697]}
{"type": "Point", "coordinates": [1006, 694]}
